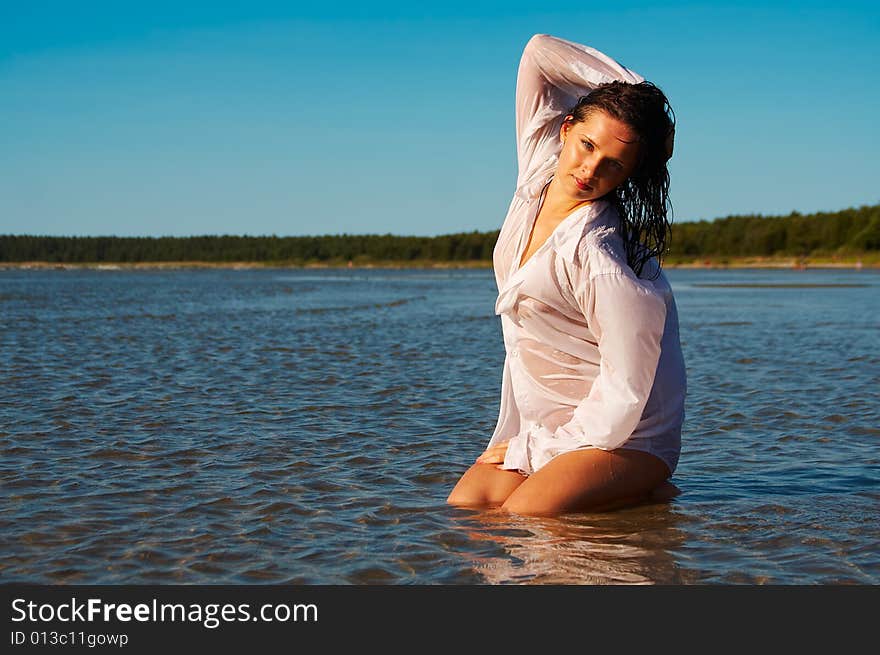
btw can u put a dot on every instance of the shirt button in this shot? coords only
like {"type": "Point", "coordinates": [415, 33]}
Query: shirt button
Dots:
{"type": "Point", "coordinates": [515, 353]}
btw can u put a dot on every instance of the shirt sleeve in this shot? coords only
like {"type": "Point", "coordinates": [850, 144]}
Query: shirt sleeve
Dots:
{"type": "Point", "coordinates": [627, 317]}
{"type": "Point", "coordinates": [553, 74]}
{"type": "Point", "coordinates": [507, 426]}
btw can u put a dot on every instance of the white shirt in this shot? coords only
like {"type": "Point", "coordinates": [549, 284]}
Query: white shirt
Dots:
{"type": "Point", "coordinates": [593, 358]}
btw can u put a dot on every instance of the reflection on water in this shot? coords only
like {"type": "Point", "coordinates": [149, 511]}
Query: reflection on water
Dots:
{"type": "Point", "coordinates": [631, 546]}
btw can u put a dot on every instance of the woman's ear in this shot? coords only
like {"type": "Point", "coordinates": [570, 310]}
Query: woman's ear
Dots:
{"type": "Point", "coordinates": [565, 127]}
{"type": "Point", "coordinates": [670, 144]}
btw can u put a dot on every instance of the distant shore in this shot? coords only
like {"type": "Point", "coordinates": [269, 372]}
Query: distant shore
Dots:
{"type": "Point", "coordinates": [236, 265]}
{"type": "Point", "coordinates": [870, 262]}
{"type": "Point", "coordinates": [796, 263]}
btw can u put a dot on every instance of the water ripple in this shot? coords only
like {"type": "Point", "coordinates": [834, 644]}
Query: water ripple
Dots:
{"type": "Point", "coordinates": [256, 427]}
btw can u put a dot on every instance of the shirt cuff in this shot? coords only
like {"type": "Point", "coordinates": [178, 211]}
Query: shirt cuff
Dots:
{"type": "Point", "coordinates": [530, 450]}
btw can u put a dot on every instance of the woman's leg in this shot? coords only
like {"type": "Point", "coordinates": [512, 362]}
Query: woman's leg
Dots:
{"type": "Point", "coordinates": [484, 485]}
{"type": "Point", "coordinates": [588, 480]}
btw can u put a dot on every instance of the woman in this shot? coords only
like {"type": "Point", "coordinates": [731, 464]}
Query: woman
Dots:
{"type": "Point", "coordinates": [593, 387]}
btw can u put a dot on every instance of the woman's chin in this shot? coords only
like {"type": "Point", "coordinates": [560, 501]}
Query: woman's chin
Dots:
{"type": "Point", "coordinates": [582, 193]}
{"type": "Point", "coordinates": [585, 196]}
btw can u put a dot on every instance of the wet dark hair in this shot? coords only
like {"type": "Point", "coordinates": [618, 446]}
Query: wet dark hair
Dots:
{"type": "Point", "coordinates": [643, 199]}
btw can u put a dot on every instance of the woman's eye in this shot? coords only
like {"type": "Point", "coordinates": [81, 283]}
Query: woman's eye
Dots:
{"type": "Point", "coordinates": [587, 145]}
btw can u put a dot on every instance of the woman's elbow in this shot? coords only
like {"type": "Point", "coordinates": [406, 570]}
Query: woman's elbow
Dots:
{"type": "Point", "coordinates": [537, 41]}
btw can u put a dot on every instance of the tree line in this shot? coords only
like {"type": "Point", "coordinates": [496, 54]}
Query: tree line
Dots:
{"type": "Point", "coordinates": [853, 231]}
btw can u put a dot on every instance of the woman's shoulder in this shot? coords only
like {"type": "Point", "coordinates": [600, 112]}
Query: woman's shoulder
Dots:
{"type": "Point", "coordinates": [601, 251]}
{"type": "Point", "coordinates": [600, 248]}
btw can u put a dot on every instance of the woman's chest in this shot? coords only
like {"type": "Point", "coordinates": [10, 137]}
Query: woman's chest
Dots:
{"type": "Point", "coordinates": [535, 238]}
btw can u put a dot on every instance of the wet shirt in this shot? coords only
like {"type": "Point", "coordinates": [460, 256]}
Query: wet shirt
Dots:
{"type": "Point", "coordinates": [593, 358]}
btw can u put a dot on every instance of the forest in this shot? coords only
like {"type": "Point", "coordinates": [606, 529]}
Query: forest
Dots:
{"type": "Point", "coordinates": [852, 232]}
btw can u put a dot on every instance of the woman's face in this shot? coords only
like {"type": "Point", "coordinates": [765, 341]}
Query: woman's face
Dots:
{"type": "Point", "coordinates": [598, 154]}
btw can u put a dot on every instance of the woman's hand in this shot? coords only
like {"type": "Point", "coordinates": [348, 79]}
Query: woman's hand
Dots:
{"type": "Point", "coordinates": [493, 455]}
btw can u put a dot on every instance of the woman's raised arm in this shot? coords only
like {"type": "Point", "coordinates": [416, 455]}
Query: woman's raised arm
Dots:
{"type": "Point", "coordinates": [553, 74]}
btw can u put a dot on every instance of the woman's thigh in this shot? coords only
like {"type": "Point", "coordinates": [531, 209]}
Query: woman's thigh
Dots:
{"type": "Point", "coordinates": [484, 485]}
{"type": "Point", "coordinates": [588, 480]}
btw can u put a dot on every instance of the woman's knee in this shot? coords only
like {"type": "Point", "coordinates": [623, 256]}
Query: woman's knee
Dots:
{"type": "Point", "coordinates": [484, 485]}
{"type": "Point", "coordinates": [472, 497]}
{"type": "Point", "coordinates": [528, 505]}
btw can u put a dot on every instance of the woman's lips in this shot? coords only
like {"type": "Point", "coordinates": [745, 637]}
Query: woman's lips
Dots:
{"type": "Point", "coordinates": [583, 186]}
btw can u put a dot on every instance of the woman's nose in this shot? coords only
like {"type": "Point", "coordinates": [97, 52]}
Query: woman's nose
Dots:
{"type": "Point", "coordinates": [589, 167]}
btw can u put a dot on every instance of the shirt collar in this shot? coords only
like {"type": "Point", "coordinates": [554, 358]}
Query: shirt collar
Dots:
{"type": "Point", "coordinates": [530, 189]}
{"type": "Point", "coordinates": [567, 236]}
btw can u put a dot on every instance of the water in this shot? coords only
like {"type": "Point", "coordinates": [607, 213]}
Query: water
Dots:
{"type": "Point", "coordinates": [306, 426]}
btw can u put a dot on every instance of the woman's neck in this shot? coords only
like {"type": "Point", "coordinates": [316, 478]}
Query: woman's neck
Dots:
{"type": "Point", "coordinates": [558, 204]}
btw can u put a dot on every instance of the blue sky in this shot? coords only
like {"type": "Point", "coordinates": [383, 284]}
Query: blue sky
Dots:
{"type": "Point", "coordinates": [161, 118]}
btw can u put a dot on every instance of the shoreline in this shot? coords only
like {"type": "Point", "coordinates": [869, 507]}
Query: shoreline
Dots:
{"type": "Point", "coordinates": [704, 263]}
